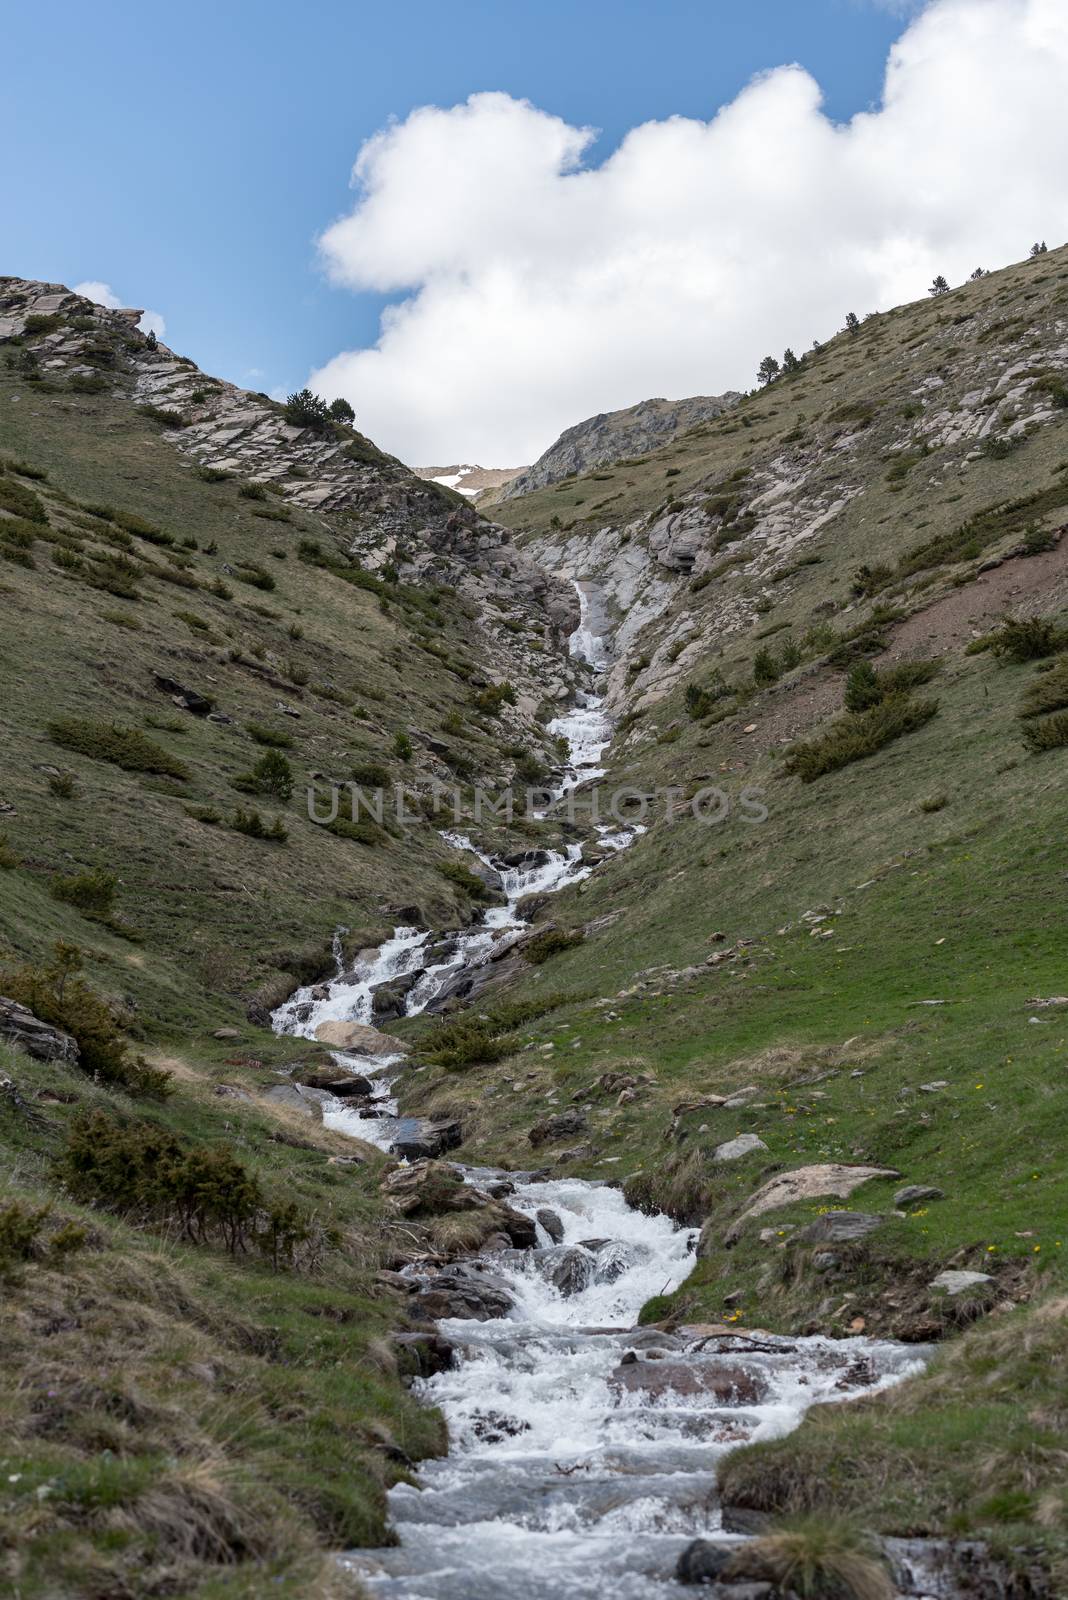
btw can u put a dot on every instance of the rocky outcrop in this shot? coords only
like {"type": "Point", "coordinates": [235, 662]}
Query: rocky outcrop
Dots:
{"type": "Point", "coordinates": [19, 1027]}
{"type": "Point", "coordinates": [359, 1037]}
{"type": "Point", "coordinates": [804, 1183]}
{"type": "Point", "coordinates": [615, 436]}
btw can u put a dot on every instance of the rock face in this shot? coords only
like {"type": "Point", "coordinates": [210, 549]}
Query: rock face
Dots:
{"type": "Point", "coordinates": [839, 1227]}
{"type": "Point", "coordinates": [19, 1026]}
{"type": "Point", "coordinates": [615, 435]}
{"type": "Point", "coordinates": [359, 1037]}
{"type": "Point", "coordinates": [296, 1099]}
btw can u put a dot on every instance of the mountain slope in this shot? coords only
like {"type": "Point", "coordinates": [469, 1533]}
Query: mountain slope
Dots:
{"type": "Point", "coordinates": [872, 975]}
{"type": "Point", "coordinates": [614, 436]}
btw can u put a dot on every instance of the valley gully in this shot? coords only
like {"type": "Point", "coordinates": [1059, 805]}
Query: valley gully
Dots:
{"type": "Point", "coordinates": [583, 1449]}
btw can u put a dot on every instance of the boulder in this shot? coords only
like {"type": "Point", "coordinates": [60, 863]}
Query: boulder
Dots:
{"type": "Point", "coordinates": [388, 1000]}
{"type": "Point", "coordinates": [185, 699]}
{"type": "Point", "coordinates": [359, 1037]}
{"type": "Point", "coordinates": [727, 1383]}
{"type": "Point", "coordinates": [703, 1562]}
{"type": "Point", "coordinates": [916, 1194]}
{"type": "Point", "coordinates": [520, 1228]}
{"type": "Point", "coordinates": [838, 1227]}
{"type": "Point", "coordinates": [568, 1268]}
{"type": "Point", "coordinates": [429, 1186]}
{"type": "Point", "coordinates": [551, 1223]}
{"type": "Point", "coordinates": [746, 1144]}
{"type": "Point", "coordinates": [429, 1139]}
{"type": "Point", "coordinates": [19, 1026]}
{"type": "Point", "coordinates": [560, 1126]}
{"type": "Point", "coordinates": [806, 1183]}
{"type": "Point", "coordinates": [293, 1096]}
{"type": "Point", "coordinates": [462, 1290]}
{"type": "Point", "coordinates": [344, 1085]}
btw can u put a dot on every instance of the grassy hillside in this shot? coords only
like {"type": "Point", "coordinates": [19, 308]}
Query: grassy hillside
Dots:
{"type": "Point", "coordinates": [202, 1397]}
{"type": "Point", "coordinates": [862, 975]}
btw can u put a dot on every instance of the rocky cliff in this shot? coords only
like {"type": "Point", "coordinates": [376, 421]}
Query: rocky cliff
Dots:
{"type": "Point", "coordinates": [615, 436]}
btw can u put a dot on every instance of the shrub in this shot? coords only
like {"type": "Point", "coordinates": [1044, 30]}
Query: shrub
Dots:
{"type": "Point", "coordinates": [116, 575]}
{"type": "Point", "coordinates": [402, 746]}
{"type": "Point", "coordinates": [142, 1169]}
{"type": "Point", "coordinates": [857, 735]}
{"type": "Point", "coordinates": [862, 687]}
{"type": "Point", "coordinates": [1050, 734]}
{"type": "Point", "coordinates": [252, 824]}
{"type": "Point", "coordinates": [369, 774]}
{"type": "Point", "coordinates": [818, 1558]}
{"type": "Point", "coordinates": [92, 893]}
{"type": "Point", "coordinates": [869, 579]}
{"type": "Point", "coordinates": [66, 559]}
{"type": "Point", "coordinates": [255, 576]}
{"type": "Point", "coordinates": [87, 383]}
{"type": "Point", "coordinates": [8, 859]}
{"type": "Point", "coordinates": [272, 775]}
{"type": "Point", "coordinates": [20, 501]}
{"type": "Point", "coordinates": [341, 411]}
{"type": "Point", "coordinates": [493, 699]}
{"type": "Point", "coordinates": [465, 879]}
{"type": "Point", "coordinates": [453, 723]}
{"type": "Point", "coordinates": [123, 747]}
{"type": "Point", "coordinates": [58, 995]}
{"type": "Point", "coordinates": [161, 414]}
{"type": "Point", "coordinates": [274, 737]}
{"type": "Point", "coordinates": [252, 491]}
{"type": "Point", "coordinates": [1027, 639]}
{"type": "Point", "coordinates": [998, 446]}
{"type": "Point", "coordinates": [550, 943]}
{"type": "Point", "coordinates": [1048, 692]}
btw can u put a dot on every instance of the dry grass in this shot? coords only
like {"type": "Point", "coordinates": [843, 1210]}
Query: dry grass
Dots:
{"type": "Point", "coordinates": [818, 1559]}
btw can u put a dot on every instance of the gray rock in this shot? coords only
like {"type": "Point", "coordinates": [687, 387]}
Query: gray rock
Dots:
{"type": "Point", "coordinates": [293, 1096]}
{"type": "Point", "coordinates": [463, 1290]}
{"type": "Point", "coordinates": [19, 1026]}
{"type": "Point", "coordinates": [568, 1268]}
{"type": "Point", "coordinates": [915, 1194]}
{"type": "Point", "coordinates": [734, 1149]}
{"type": "Point", "coordinates": [956, 1282]}
{"type": "Point", "coordinates": [551, 1223]}
{"type": "Point", "coordinates": [839, 1227]}
{"type": "Point", "coordinates": [429, 1139]}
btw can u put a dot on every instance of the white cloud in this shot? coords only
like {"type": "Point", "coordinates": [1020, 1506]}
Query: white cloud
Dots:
{"type": "Point", "coordinates": [104, 295]}
{"type": "Point", "coordinates": [540, 290]}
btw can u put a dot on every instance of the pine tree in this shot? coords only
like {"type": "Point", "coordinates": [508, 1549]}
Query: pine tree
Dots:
{"type": "Point", "coordinates": [980, 272]}
{"type": "Point", "coordinates": [790, 363]}
{"type": "Point", "coordinates": [939, 286]}
{"type": "Point", "coordinates": [1038, 249]}
{"type": "Point", "coordinates": [768, 370]}
{"type": "Point", "coordinates": [341, 411]}
{"type": "Point", "coordinates": [306, 410]}
{"type": "Point", "coordinates": [852, 322]}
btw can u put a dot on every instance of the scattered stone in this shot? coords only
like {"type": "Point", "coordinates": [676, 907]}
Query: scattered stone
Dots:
{"type": "Point", "coordinates": [560, 1126]}
{"type": "Point", "coordinates": [956, 1282]}
{"type": "Point", "coordinates": [227, 1033]}
{"type": "Point", "coordinates": [746, 1144]}
{"type": "Point", "coordinates": [463, 1290]}
{"type": "Point", "coordinates": [839, 1227]}
{"type": "Point", "coordinates": [935, 1086]}
{"type": "Point", "coordinates": [19, 1026]}
{"type": "Point", "coordinates": [568, 1268]}
{"type": "Point", "coordinates": [916, 1194]}
{"type": "Point", "coordinates": [344, 1085]}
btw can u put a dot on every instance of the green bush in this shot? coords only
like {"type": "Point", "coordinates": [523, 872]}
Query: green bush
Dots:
{"type": "Point", "coordinates": [1049, 734]}
{"type": "Point", "coordinates": [550, 943]}
{"type": "Point", "coordinates": [369, 775]}
{"type": "Point", "coordinates": [252, 491]}
{"type": "Point", "coordinates": [862, 687]}
{"type": "Point", "coordinates": [402, 746]}
{"type": "Point", "coordinates": [464, 879]}
{"type": "Point", "coordinates": [92, 893]}
{"type": "Point", "coordinates": [22, 1237]}
{"type": "Point", "coordinates": [20, 501]}
{"type": "Point", "coordinates": [493, 699]}
{"type": "Point", "coordinates": [161, 414]}
{"type": "Point", "coordinates": [123, 747]}
{"type": "Point", "coordinates": [144, 1170]}
{"type": "Point", "coordinates": [58, 995]}
{"type": "Point", "coordinates": [307, 410]}
{"type": "Point", "coordinates": [252, 824]}
{"type": "Point", "coordinates": [8, 859]}
{"type": "Point", "coordinates": [273, 737]}
{"type": "Point", "coordinates": [1048, 692]}
{"type": "Point", "coordinates": [272, 775]}
{"type": "Point", "coordinates": [869, 579]}
{"type": "Point", "coordinates": [255, 576]}
{"type": "Point", "coordinates": [1028, 639]}
{"type": "Point", "coordinates": [458, 1044]}
{"type": "Point", "coordinates": [857, 735]}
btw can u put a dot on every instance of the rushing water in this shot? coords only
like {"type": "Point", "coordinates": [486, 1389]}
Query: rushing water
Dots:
{"type": "Point", "coordinates": [583, 1451]}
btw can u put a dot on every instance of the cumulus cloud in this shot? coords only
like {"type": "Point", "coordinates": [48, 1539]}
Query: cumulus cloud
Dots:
{"type": "Point", "coordinates": [104, 295]}
{"type": "Point", "coordinates": [538, 288]}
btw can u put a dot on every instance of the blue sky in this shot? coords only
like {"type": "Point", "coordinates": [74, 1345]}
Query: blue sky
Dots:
{"type": "Point", "coordinates": [189, 154]}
